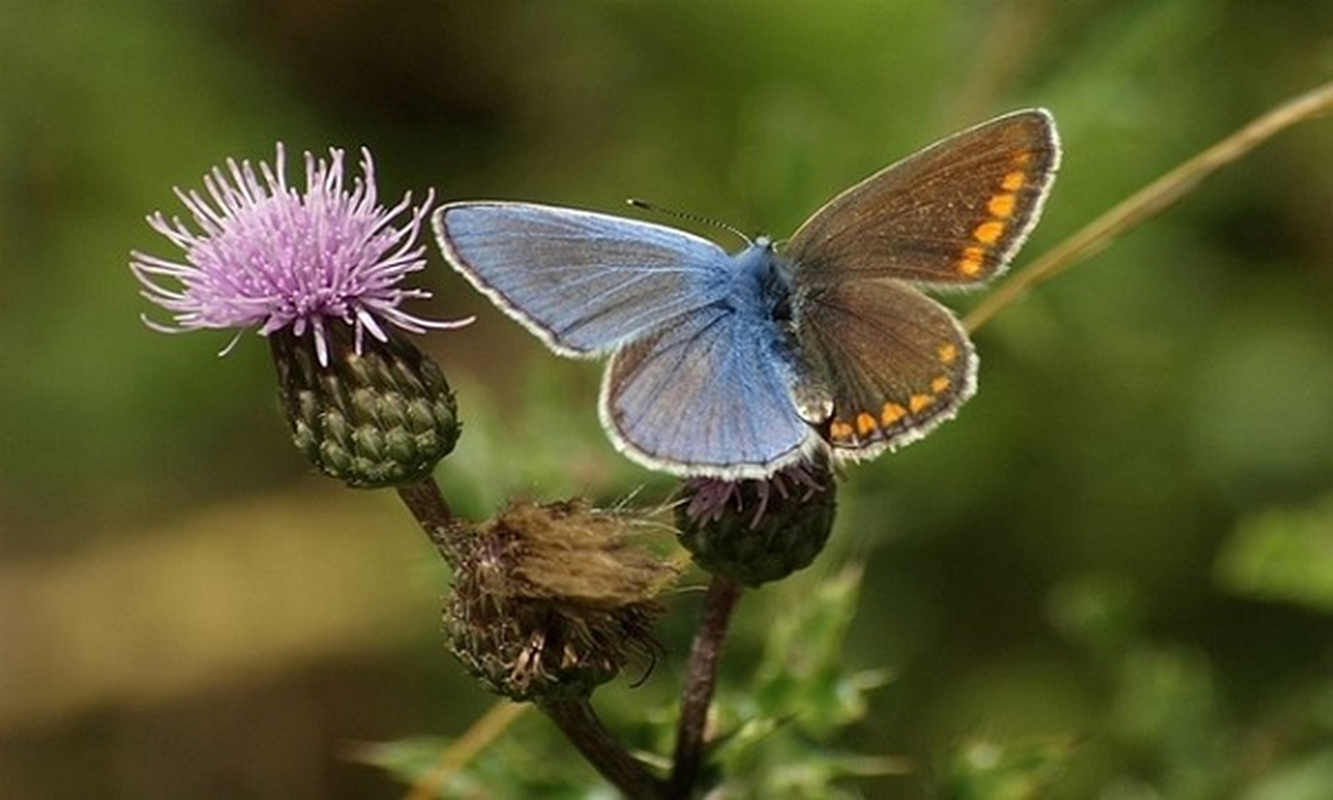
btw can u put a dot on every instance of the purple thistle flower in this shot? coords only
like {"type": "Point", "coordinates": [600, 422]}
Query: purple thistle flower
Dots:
{"type": "Point", "coordinates": [710, 498]}
{"type": "Point", "coordinates": [271, 257]}
{"type": "Point", "coordinates": [754, 531]}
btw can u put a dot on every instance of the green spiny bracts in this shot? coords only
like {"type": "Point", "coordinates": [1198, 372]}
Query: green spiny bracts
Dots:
{"type": "Point", "coordinates": [374, 416]}
{"type": "Point", "coordinates": [758, 531]}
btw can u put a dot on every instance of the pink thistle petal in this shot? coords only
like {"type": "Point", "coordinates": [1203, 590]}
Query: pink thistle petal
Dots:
{"type": "Point", "coordinates": [267, 257]}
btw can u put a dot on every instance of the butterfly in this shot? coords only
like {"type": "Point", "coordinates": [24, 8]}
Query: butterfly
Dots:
{"type": "Point", "coordinates": [736, 365]}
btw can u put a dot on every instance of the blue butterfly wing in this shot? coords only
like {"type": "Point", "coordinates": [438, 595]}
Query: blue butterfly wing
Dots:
{"type": "Point", "coordinates": [710, 395]}
{"type": "Point", "coordinates": [584, 283]}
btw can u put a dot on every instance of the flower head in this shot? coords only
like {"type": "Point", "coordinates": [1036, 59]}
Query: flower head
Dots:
{"type": "Point", "coordinates": [553, 599]}
{"type": "Point", "coordinates": [268, 256]}
{"type": "Point", "coordinates": [758, 531]}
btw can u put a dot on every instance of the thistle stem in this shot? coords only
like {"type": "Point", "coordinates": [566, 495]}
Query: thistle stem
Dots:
{"type": "Point", "coordinates": [577, 720]}
{"type": "Point", "coordinates": [432, 512]}
{"type": "Point", "coordinates": [700, 680]}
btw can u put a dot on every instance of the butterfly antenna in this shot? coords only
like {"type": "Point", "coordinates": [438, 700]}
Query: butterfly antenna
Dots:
{"type": "Point", "coordinates": [685, 215]}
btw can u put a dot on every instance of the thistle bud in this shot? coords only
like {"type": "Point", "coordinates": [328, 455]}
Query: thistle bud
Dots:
{"type": "Point", "coordinates": [380, 416]}
{"type": "Point", "coordinates": [757, 531]}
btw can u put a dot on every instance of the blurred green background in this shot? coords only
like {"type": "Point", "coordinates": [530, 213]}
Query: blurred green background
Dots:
{"type": "Point", "coordinates": [1124, 543]}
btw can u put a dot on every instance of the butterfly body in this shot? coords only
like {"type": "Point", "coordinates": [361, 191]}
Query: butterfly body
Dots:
{"type": "Point", "coordinates": [736, 365]}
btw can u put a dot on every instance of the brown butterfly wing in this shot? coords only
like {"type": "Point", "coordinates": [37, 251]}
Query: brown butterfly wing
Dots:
{"type": "Point", "coordinates": [886, 362]}
{"type": "Point", "coordinates": [950, 215]}
{"type": "Point", "coordinates": [882, 364]}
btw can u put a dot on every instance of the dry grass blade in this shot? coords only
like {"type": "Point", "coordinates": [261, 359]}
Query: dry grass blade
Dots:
{"type": "Point", "coordinates": [1152, 198]}
{"type": "Point", "coordinates": [466, 747]}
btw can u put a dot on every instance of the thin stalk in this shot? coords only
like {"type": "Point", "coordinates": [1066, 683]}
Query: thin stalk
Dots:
{"type": "Point", "coordinates": [700, 680]}
{"type": "Point", "coordinates": [477, 738]}
{"type": "Point", "coordinates": [1151, 199]}
{"type": "Point", "coordinates": [432, 512]}
{"type": "Point", "coordinates": [577, 720]}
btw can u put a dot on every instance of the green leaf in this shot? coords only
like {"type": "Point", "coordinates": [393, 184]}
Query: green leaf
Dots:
{"type": "Point", "coordinates": [781, 728]}
{"type": "Point", "coordinates": [1284, 555]}
{"type": "Point", "coordinates": [988, 770]}
{"type": "Point", "coordinates": [1309, 779]}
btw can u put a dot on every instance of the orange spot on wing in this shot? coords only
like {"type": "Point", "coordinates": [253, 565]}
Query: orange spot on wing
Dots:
{"type": "Point", "coordinates": [970, 264]}
{"type": "Point", "coordinates": [1002, 205]}
{"type": "Point", "coordinates": [918, 402]}
{"type": "Point", "coordinates": [865, 424]}
{"type": "Point", "coordinates": [940, 384]}
{"type": "Point", "coordinates": [948, 353]}
{"type": "Point", "coordinates": [988, 232]}
{"type": "Point", "coordinates": [1014, 181]}
{"type": "Point", "coordinates": [892, 413]}
{"type": "Point", "coordinates": [839, 431]}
